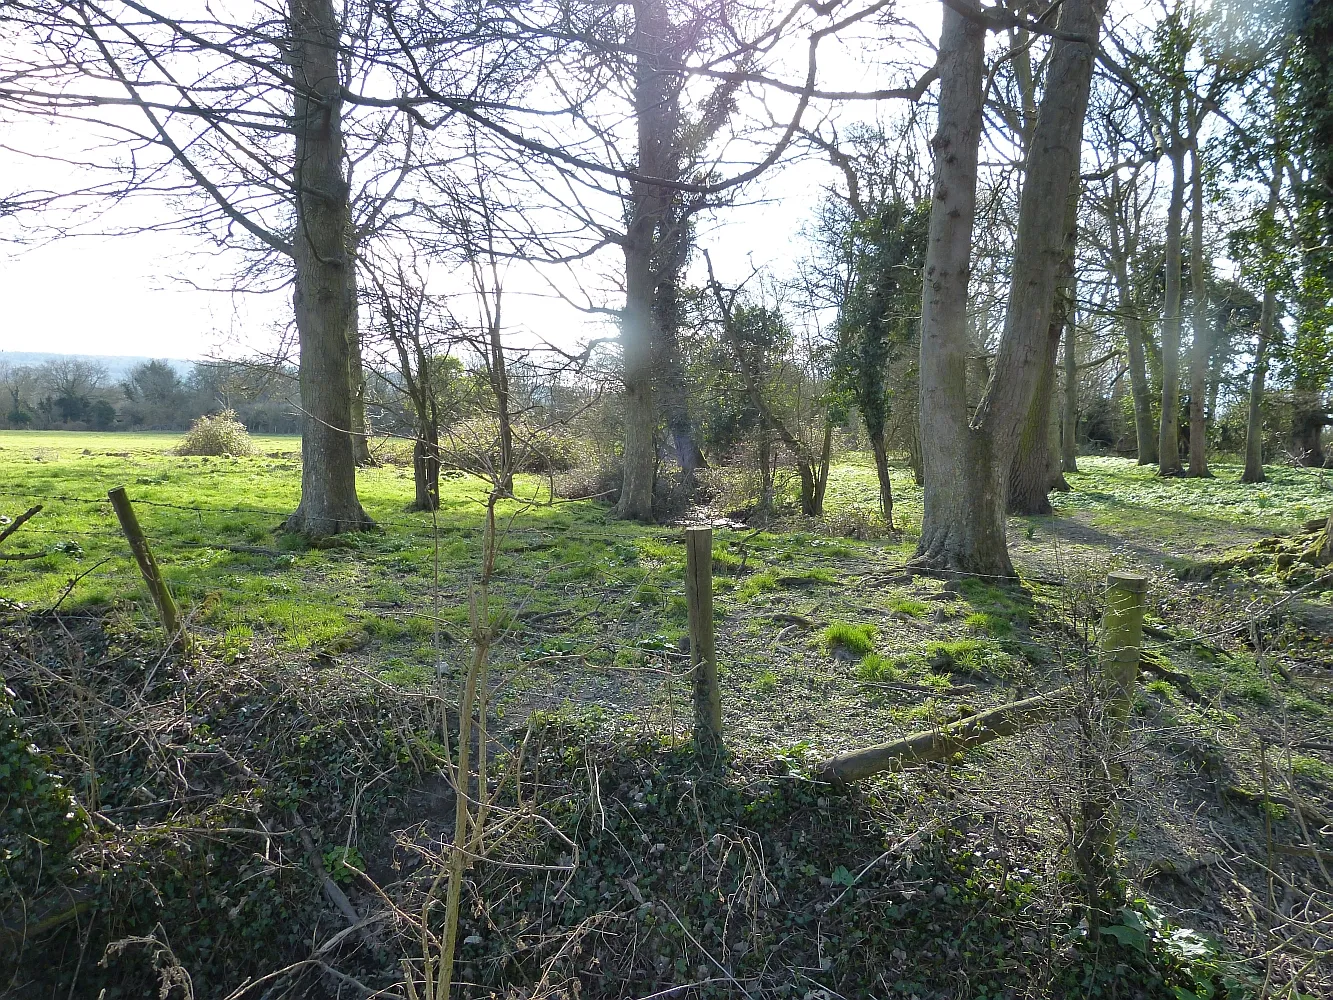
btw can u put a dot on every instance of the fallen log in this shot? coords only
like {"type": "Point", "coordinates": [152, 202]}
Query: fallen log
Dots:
{"type": "Point", "coordinates": [937, 744]}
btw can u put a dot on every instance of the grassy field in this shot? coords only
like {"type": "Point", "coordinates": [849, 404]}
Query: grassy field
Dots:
{"type": "Point", "coordinates": [573, 582]}
{"type": "Point", "coordinates": [825, 642]}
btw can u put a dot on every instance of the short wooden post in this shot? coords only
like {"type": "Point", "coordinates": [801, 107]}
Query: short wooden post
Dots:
{"type": "Point", "coordinates": [143, 555]}
{"type": "Point", "coordinates": [703, 654]}
{"type": "Point", "coordinates": [1118, 666]}
{"type": "Point", "coordinates": [1122, 641]}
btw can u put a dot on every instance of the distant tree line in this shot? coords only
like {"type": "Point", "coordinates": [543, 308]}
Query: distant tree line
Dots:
{"type": "Point", "coordinates": [78, 394]}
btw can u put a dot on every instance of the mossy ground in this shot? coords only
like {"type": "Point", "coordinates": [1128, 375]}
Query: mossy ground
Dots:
{"type": "Point", "coordinates": [592, 615]}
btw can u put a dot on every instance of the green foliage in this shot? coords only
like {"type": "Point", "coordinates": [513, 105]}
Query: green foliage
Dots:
{"type": "Point", "coordinates": [851, 638]}
{"type": "Point", "coordinates": [885, 252]}
{"type": "Point", "coordinates": [217, 435]}
{"type": "Point", "coordinates": [39, 821]}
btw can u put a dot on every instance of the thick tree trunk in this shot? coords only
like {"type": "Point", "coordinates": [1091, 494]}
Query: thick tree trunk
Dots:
{"type": "Point", "coordinates": [1035, 470]}
{"type": "Point", "coordinates": [655, 122]}
{"type": "Point", "coordinates": [1201, 349]}
{"type": "Point", "coordinates": [675, 406]}
{"type": "Point", "coordinates": [1308, 420]}
{"type": "Point", "coordinates": [1030, 470]}
{"type": "Point", "coordinates": [967, 464]}
{"type": "Point", "coordinates": [881, 451]}
{"type": "Point", "coordinates": [1069, 419]}
{"type": "Point", "coordinates": [960, 529]}
{"type": "Point", "coordinates": [325, 293]}
{"type": "Point", "coordinates": [1168, 438]}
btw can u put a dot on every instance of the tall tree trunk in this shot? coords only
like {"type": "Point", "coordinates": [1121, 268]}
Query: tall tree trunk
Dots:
{"type": "Point", "coordinates": [325, 293]}
{"type": "Point", "coordinates": [1140, 386]}
{"type": "Point", "coordinates": [655, 100]}
{"type": "Point", "coordinates": [1168, 439]}
{"type": "Point", "coordinates": [1254, 422]}
{"type": "Point", "coordinates": [1035, 469]}
{"type": "Point", "coordinates": [1200, 350]}
{"type": "Point", "coordinates": [963, 524]}
{"type": "Point", "coordinates": [1069, 419]}
{"type": "Point", "coordinates": [967, 463]}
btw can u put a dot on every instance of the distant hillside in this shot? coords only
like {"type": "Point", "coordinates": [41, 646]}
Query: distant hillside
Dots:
{"type": "Point", "coordinates": [117, 365]}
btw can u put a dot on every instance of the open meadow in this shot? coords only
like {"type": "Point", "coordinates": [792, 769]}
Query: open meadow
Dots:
{"type": "Point", "coordinates": [313, 702]}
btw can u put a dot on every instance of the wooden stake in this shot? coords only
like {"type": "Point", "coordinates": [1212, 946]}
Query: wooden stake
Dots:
{"type": "Point", "coordinates": [143, 555]}
{"type": "Point", "coordinates": [703, 655]}
{"type": "Point", "coordinates": [1122, 641]}
{"type": "Point", "coordinates": [1103, 744]}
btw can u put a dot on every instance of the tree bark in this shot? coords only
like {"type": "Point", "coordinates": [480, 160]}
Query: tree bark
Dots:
{"type": "Point", "coordinates": [1140, 387]}
{"type": "Point", "coordinates": [325, 292]}
{"type": "Point", "coordinates": [655, 103]}
{"type": "Point", "coordinates": [961, 528]}
{"type": "Point", "coordinates": [967, 463]}
{"type": "Point", "coordinates": [1035, 470]}
{"type": "Point", "coordinates": [426, 469]}
{"type": "Point", "coordinates": [1069, 419]}
{"type": "Point", "coordinates": [1200, 350]}
{"type": "Point", "coordinates": [881, 452]}
{"type": "Point", "coordinates": [356, 377]}
{"type": "Point", "coordinates": [1168, 438]}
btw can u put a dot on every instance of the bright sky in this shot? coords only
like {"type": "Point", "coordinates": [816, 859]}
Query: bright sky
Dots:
{"type": "Point", "coordinates": [148, 293]}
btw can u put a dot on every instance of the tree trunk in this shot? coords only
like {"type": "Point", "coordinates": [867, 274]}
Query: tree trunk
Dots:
{"type": "Point", "coordinates": [1140, 386]}
{"type": "Point", "coordinates": [325, 295]}
{"type": "Point", "coordinates": [1307, 422]}
{"type": "Point", "coordinates": [500, 389]}
{"type": "Point", "coordinates": [821, 481]}
{"type": "Point", "coordinates": [967, 464]}
{"type": "Point", "coordinates": [356, 377]}
{"type": "Point", "coordinates": [1035, 470]}
{"type": "Point", "coordinates": [655, 125]}
{"type": "Point", "coordinates": [1254, 422]}
{"type": "Point", "coordinates": [1200, 350]}
{"type": "Point", "coordinates": [1030, 470]}
{"type": "Point", "coordinates": [961, 529]}
{"type": "Point", "coordinates": [1168, 438]}
{"type": "Point", "coordinates": [426, 469]}
{"type": "Point", "coordinates": [881, 452]}
{"type": "Point", "coordinates": [1069, 419]}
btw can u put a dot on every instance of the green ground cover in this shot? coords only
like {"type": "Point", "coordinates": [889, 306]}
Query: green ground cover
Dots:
{"type": "Point", "coordinates": [825, 644]}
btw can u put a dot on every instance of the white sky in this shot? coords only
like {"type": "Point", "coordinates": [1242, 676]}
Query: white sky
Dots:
{"type": "Point", "coordinates": [133, 294]}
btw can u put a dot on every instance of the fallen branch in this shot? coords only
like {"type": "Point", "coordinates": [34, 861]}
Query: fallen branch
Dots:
{"type": "Point", "coordinates": [1182, 681]}
{"type": "Point", "coordinates": [937, 744]}
{"type": "Point", "coordinates": [53, 910]}
{"type": "Point", "coordinates": [334, 894]}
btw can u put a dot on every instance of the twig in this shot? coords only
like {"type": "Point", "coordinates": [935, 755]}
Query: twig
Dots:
{"type": "Point", "coordinates": [17, 523]}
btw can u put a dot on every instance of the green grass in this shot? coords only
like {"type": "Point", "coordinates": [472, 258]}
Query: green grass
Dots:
{"type": "Point", "coordinates": [855, 639]}
{"type": "Point", "coordinates": [909, 606]}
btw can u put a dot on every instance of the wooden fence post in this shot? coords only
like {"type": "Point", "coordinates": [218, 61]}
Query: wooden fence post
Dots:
{"type": "Point", "coordinates": [1104, 741]}
{"type": "Point", "coordinates": [1122, 641]}
{"type": "Point", "coordinates": [143, 555]}
{"type": "Point", "coordinates": [703, 654]}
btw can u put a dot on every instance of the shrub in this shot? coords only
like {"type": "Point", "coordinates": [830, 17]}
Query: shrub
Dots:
{"type": "Point", "coordinates": [218, 435]}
